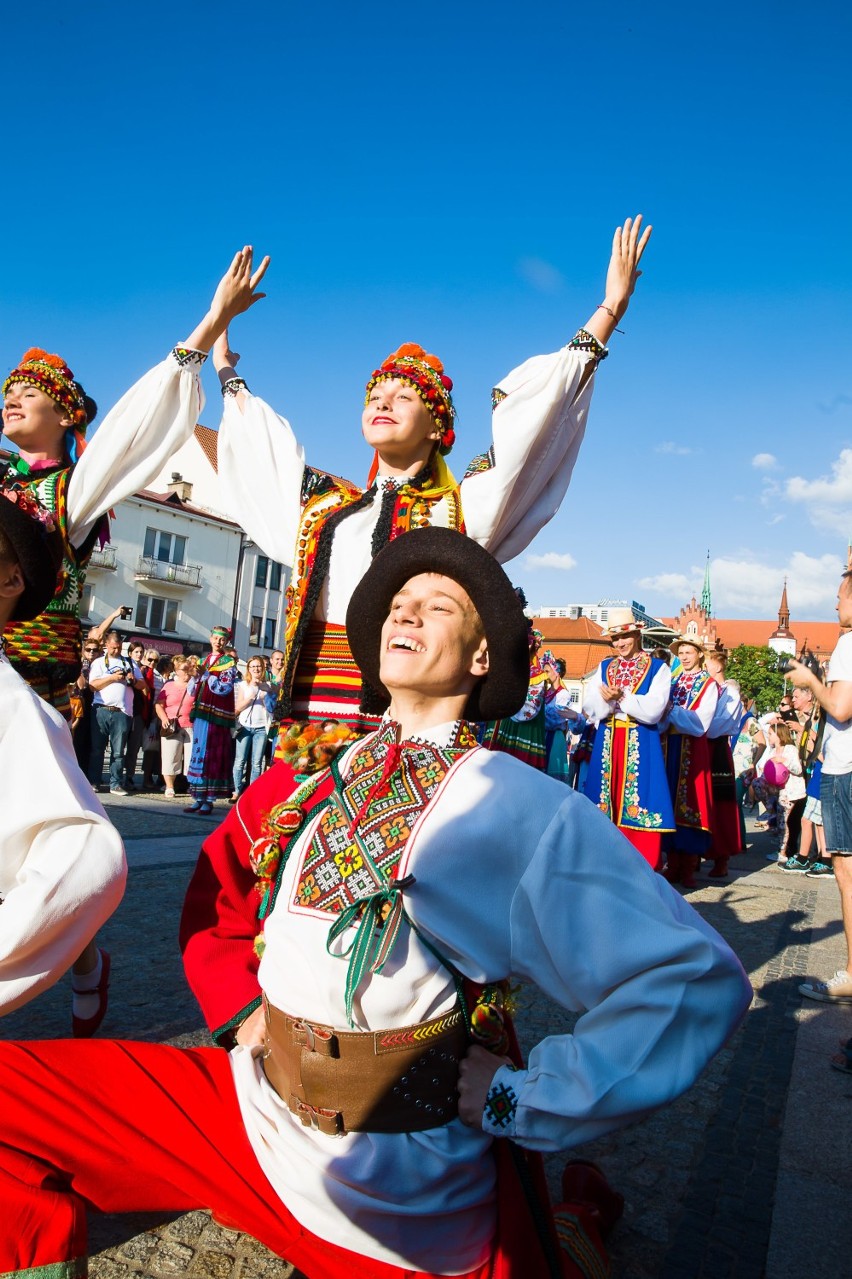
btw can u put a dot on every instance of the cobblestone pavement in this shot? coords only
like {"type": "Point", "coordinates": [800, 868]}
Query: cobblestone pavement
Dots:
{"type": "Point", "coordinates": [701, 1179]}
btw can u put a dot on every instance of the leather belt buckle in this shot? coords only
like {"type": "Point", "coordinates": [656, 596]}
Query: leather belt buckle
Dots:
{"type": "Point", "coordinates": [317, 1039]}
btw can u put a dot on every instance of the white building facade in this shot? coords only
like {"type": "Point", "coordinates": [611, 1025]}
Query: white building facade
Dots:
{"type": "Point", "coordinates": [182, 566]}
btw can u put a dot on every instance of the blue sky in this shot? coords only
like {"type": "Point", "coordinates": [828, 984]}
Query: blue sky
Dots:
{"type": "Point", "coordinates": [452, 176]}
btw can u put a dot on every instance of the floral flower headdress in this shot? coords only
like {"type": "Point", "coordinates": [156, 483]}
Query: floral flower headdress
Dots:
{"type": "Point", "coordinates": [52, 375]}
{"type": "Point", "coordinates": [425, 374]}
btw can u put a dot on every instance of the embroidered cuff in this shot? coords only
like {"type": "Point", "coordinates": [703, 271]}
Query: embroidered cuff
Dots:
{"type": "Point", "coordinates": [498, 1113]}
{"type": "Point", "coordinates": [583, 340]}
{"type": "Point", "coordinates": [233, 386]}
{"type": "Point", "coordinates": [188, 358]}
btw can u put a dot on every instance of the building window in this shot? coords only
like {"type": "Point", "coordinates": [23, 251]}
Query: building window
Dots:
{"type": "Point", "coordinates": [269, 633]}
{"type": "Point", "coordinates": [168, 548]}
{"type": "Point", "coordinates": [86, 601]}
{"type": "Point", "coordinates": [604, 615]}
{"type": "Point", "coordinates": [254, 631]}
{"type": "Point", "coordinates": [574, 696]}
{"type": "Point", "coordinates": [156, 614]}
{"type": "Point", "coordinates": [262, 571]}
{"type": "Point", "coordinates": [275, 577]}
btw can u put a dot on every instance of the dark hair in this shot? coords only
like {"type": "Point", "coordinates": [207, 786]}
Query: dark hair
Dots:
{"type": "Point", "coordinates": [560, 666]}
{"type": "Point", "coordinates": [7, 551]}
{"type": "Point", "coordinates": [88, 403]}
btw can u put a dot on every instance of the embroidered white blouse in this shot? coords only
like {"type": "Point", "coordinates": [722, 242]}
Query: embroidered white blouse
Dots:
{"type": "Point", "coordinates": [62, 867]}
{"type": "Point", "coordinates": [537, 432]}
{"type": "Point", "coordinates": [546, 891]}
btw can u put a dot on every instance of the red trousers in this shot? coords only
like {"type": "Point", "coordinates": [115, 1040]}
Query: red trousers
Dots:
{"type": "Point", "coordinates": [120, 1127]}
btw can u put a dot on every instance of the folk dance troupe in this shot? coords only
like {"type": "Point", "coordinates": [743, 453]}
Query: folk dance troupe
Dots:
{"type": "Point", "coordinates": [351, 941]}
{"type": "Point", "coordinates": [352, 1126]}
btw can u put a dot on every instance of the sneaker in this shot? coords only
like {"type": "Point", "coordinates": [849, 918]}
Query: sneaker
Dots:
{"type": "Point", "coordinates": [117, 790]}
{"type": "Point", "coordinates": [797, 865]}
{"type": "Point", "coordinates": [820, 868]}
{"type": "Point", "coordinates": [837, 990]}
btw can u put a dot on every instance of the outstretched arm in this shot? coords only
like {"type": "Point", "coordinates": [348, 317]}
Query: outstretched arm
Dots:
{"type": "Point", "coordinates": [539, 420]}
{"type": "Point", "coordinates": [149, 424]}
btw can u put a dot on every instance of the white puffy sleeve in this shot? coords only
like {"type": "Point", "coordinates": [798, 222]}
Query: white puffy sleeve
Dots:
{"type": "Point", "coordinates": [261, 468]}
{"type": "Point", "coordinates": [538, 423]}
{"type": "Point", "coordinates": [136, 439]}
{"type": "Point", "coordinates": [728, 713]}
{"type": "Point", "coordinates": [659, 990]}
{"type": "Point", "coordinates": [650, 707]}
{"type": "Point", "coordinates": [595, 707]}
{"type": "Point", "coordinates": [62, 867]}
{"type": "Point", "coordinates": [696, 722]}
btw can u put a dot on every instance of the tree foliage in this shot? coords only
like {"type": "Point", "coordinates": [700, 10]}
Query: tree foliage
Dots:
{"type": "Point", "coordinates": [756, 671]}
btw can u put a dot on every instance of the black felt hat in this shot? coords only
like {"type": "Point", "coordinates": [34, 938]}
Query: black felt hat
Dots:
{"type": "Point", "coordinates": [36, 545]}
{"type": "Point", "coordinates": [503, 690]}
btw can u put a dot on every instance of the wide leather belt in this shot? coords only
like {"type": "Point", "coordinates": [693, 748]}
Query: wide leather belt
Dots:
{"type": "Point", "coordinates": [399, 1080]}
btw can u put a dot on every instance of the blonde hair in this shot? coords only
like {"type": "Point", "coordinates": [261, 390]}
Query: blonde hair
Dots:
{"type": "Point", "coordinates": [782, 732]}
{"type": "Point", "coordinates": [179, 661]}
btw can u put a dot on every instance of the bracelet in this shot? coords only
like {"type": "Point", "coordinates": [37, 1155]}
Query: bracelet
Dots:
{"type": "Point", "coordinates": [603, 307]}
{"type": "Point", "coordinates": [234, 385]}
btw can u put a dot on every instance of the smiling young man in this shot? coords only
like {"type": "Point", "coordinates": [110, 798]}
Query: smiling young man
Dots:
{"type": "Point", "coordinates": [352, 1127]}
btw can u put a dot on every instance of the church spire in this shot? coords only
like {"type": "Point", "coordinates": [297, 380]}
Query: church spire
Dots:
{"type": "Point", "coordinates": [784, 611]}
{"type": "Point", "coordinates": [706, 601]}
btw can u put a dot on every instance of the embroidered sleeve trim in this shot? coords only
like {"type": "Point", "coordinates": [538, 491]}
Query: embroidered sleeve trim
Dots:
{"type": "Point", "coordinates": [226, 1036]}
{"type": "Point", "coordinates": [501, 1104]}
{"type": "Point", "coordinates": [233, 386]}
{"type": "Point", "coordinates": [480, 464]}
{"type": "Point", "coordinates": [498, 395]}
{"type": "Point", "coordinates": [583, 340]}
{"type": "Point", "coordinates": [188, 358]}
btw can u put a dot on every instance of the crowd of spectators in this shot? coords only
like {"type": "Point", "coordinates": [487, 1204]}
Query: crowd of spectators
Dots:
{"type": "Point", "coordinates": [133, 706]}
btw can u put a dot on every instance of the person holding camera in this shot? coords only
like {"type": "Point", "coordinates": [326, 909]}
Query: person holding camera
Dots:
{"type": "Point", "coordinates": [835, 698]}
{"type": "Point", "coordinates": [113, 679]}
{"type": "Point", "coordinates": [172, 706]}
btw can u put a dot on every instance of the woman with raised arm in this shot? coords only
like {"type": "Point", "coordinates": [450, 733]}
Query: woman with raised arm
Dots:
{"type": "Point", "coordinates": [46, 414]}
{"type": "Point", "coordinates": [329, 529]}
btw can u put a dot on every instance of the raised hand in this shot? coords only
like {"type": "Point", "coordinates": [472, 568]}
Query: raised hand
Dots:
{"type": "Point", "coordinates": [235, 293]}
{"type": "Point", "coordinates": [623, 270]}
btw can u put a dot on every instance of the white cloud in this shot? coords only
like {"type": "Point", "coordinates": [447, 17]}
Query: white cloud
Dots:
{"type": "Point", "coordinates": [765, 462]}
{"type": "Point", "coordinates": [669, 446]}
{"type": "Point", "coordinates": [828, 499]}
{"type": "Point", "coordinates": [675, 584]}
{"type": "Point", "coordinates": [749, 586]}
{"type": "Point", "coordinates": [542, 276]}
{"type": "Point", "coordinates": [551, 559]}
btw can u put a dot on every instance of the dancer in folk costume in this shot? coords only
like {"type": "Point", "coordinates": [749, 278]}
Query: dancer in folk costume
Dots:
{"type": "Point", "coordinates": [694, 698]}
{"type": "Point", "coordinates": [46, 414]}
{"type": "Point", "coordinates": [329, 529]}
{"type": "Point", "coordinates": [559, 715]}
{"type": "Point", "coordinates": [356, 1128]}
{"type": "Point", "coordinates": [727, 839]}
{"type": "Point", "coordinates": [213, 716]}
{"type": "Point", "coordinates": [627, 699]}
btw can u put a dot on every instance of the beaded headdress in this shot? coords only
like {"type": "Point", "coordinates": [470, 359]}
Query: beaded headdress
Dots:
{"type": "Point", "coordinates": [425, 374]}
{"type": "Point", "coordinates": [52, 375]}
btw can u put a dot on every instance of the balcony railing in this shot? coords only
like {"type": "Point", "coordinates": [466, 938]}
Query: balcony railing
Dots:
{"type": "Point", "coordinates": [150, 569]}
{"type": "Point", "coordinates": [103, 557]}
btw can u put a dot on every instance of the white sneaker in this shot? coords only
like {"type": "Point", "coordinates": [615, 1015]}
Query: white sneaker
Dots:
{"type": "Point", "coordinates": [837, 990]}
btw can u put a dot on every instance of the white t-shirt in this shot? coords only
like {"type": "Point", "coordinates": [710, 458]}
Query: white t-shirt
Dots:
{"type": "Point", "coordinates": [116, 694]}
{"type": "Point", "coordinates": [837, 742]}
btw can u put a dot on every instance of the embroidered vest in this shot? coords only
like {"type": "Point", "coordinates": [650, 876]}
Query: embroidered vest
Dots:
{"type": "Point", "coordinates": [326, 501]}
{"type": "Point", "coordinates": [54, 637]}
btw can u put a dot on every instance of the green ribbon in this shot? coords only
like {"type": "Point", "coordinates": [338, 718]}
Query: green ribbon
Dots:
{"type": "Point", "coordinates": [16, 464]}
{"type": "Point", "coordinates": [374, 939]}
